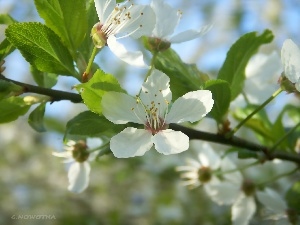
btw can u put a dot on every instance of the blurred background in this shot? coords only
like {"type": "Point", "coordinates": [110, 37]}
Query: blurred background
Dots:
{"type": "Point", "coordinates": [142, 190]}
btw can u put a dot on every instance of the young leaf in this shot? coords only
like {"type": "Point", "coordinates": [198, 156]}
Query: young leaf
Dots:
{"type": "Point", "coordinates": [47, 80]}
{"type": "Point", "coordinates": [41, 47]}
{"type": "Point", "coordinates": [36, 118]}
{"type": "Point", "coordinates": [87, 45]}
{"type": "Point", "coordinates": [184, 77]}
{"type": "Point", "coordinates": [89, 124]}
{"type": "Point", "coordinates": [6, 19]}
{"type": "Point", "coordinates": [233, 69]}
{"type": "Point", "coordinates": [66, 18]}
{"type": "Point", "coordinates": [8, 89]}
{"type": "Point", "coordinates": [5, 49]}
{"type": "Point", "coordinates": [92, 91]}
{"type": "Point", "coordinates": [221, 95]}
{"type": "Point", "coordinates": [11, 108]}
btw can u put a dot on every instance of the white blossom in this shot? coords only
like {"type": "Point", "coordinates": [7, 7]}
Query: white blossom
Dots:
{"type": "Point", "coordinates": [151, 109]}
{"type": "Point", "coordinates": [167, 19]}
{"type": "Point", "coordinates": [290, 57]}
{"type": "Point", "coordinates": [126, 19]}
{"type": "Point", "coordinates": [79, 170]}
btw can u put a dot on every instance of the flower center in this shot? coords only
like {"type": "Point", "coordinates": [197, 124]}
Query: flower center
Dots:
{"type": "Point", "coordinates": [119, 19]}
{"type": "Point", "coordinates": [80, 153]}
{"type": "Point", "coordinates": [248, 187]}
{"type": "Point", "coordinates": [155, 113]}
{"type": "Point", "coordinates": [204, 174]}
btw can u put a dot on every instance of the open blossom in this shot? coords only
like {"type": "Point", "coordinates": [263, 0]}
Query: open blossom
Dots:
{"type": "Point", "coordinates": [79, 171]}
{"type": "Point", "coordinates": [201, 171]}
{"type": "Point", "coordinates": [124, 19]}
{"type": "Point", "coordinates": [167, 19]}
{"type": "Point", "coordinates": [151, 109]}
{"type": "Point", "coordinates": [290, 57]}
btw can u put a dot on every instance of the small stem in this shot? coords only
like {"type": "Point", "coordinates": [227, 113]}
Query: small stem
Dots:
{"type": "Point", "coordinates": [253, 113]}
{"type": "Point", "coordinates": [284, 137]}
{"type": "Point", "coordinates": [89, 66]}
{"type": "Point", "coordinates": [151, 66]}
{"type": "Point", "coordinates": [278, 177]}
{"type": "Point", "coordinates": [237, 169]}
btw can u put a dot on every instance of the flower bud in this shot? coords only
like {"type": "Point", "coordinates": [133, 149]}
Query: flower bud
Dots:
{"type": "Point", "coordinates": [286, 84]}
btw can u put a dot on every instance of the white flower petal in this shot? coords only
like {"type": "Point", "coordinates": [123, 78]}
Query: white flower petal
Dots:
{"type": "Point", "coordinates": [208, 158]}
{"type": "Point", "coordinates": [290, 57]}
{"type": "Point", "coordinates": [222, 192]}
{"type": "Point", "coordinates": [79, 176]}
{"type": "Point", "coordinates": [243, 210]}
{"type": "Point", "coordinates": [117, 107]}
{"type": "Point", "coordinates": [156, 90]}
{"type": "Point", "coordinates": [104, 8]}
{"type": "Point", "coordinates": [167, 19]}
{"type": "Point", "coordinates": [191, 107]}
{"type": "Point", "coordinates": [131, 142]}
{"type": "Point", "coordinates": [170, 142]}
{"type": "Point", "coordinates": [142, 21]}
{"type": "Point", "coordinates": [65, 154]}
{"type": "Point", "coordinates": [272, 200]}
{"type": "Point", "coordinates": [132, 58]}
{"type": "Point", "coordinates": [189, 35]}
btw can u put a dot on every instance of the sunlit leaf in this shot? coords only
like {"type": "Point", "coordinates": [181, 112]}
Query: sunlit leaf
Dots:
{"type": "Point", "coordinates": [41, 47]}
{"type": "Point", "coordinates": [11, 108]}
{"type": "Point", "coordinates": [233, 69]}
{"type": "Point", "coordinates": [92, 91]}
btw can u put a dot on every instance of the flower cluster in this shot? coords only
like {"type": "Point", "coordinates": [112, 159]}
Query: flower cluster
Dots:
{"type": "Point", "coordinates": [226, 185]}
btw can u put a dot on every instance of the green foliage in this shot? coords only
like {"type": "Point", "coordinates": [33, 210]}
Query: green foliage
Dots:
{"type": "Point", "coordinates": [5, 46]}
{"type": "Point", "coordinates": [5, 49]}
{"type": "Point", "coordinates": [233, 69]}
{"type": "Point", "coordinates": [47, 80]}
{"type": "Point", "coordinates": [36, 118]}
{"type": "Point", "coordinates": [6, 19]}
{"type": "Point", "coordinates": [41, 47]}
{"type": "Point", "coordinates": [8, 89]}
{"type": "Point", "coordinates": [89, 124]}
{"type": "Point", "coordinates": [184, 77]}
{"type": "Point", "coordinates": [92, 91]}
{"type": "Point", "coordinates": [221, 95]}
{"type": "Point", "coordinates": [11, 108]}
{"type": "Point", "coordinates": [68, 19]}
{"type": "Point", "coordinates": [259, 123]}
{"type": "Point", "coordinates": [292, 197]}
{"type": "Point", "coordinates": [86, 47]}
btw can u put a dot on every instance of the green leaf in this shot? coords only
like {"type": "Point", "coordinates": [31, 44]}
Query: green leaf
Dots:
{"type": "Point", "coordinates": [47, 80]}
{"type": "Point", "coordinates": [233, 69]}
{"type": "Point", "coordinates": [41, 47]}
{"type": "Point", "coordinates": [11, 108]}
{"type": "Point", "coordinates": [221, 95]}
{"type": "Point", "coordinates": [184, 77]}
{"type": "Point", "coordinates": [86, 47]}
{"type": "Point", "coordinates": [68, 19]}
{"type": "Point", "coordinates": [259, 123]}
{"type": "Point", "coordinates": [293, 197]}
{"type": "Point", "coordinates": [5, 49]}
{"type": "Point", "coordinates": [6, 19]}
{"type": "Point", "coordinates": [8, 89]}
{"type": "Point", "coordinates": [92, 91]}
{"type": "Point", "coordinates": [36, 118]}
{"type": "Point", "coordinates": [89, 124]}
